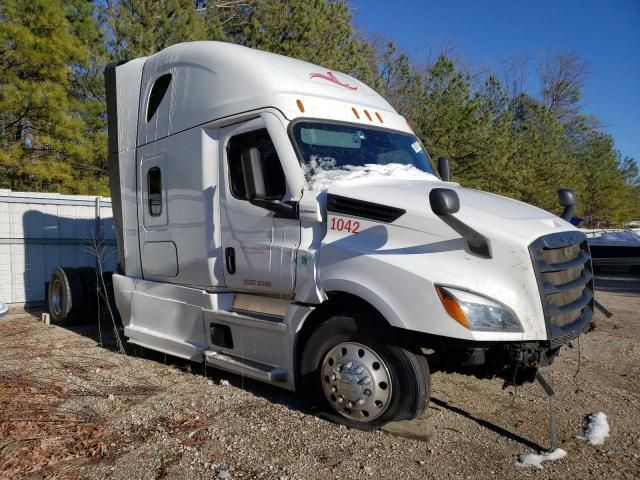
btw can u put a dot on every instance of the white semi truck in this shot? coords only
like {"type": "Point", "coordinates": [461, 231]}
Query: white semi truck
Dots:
{"type": "Point", "coordinates": [282, 221]}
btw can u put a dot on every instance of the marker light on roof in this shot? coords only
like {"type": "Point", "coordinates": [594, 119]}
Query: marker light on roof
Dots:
{"type": "Point", "coordinates": [355, 112]}
{"type": "Point", "coordinates": [300, 106]}
{"type": "Point", "coordinates": [368, 115]}
{"type": "Point", "coordinates": [379, 117]}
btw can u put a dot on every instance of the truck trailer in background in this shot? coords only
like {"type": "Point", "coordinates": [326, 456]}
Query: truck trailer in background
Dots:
{"type": "Point", "coordinates": [282, 221]}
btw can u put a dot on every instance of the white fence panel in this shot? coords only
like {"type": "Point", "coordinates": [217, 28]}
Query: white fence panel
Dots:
{"type": "Point", "coordinates": [40, 231]}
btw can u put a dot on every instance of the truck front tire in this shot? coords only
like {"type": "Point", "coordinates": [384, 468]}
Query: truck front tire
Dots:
{"type": "Point", "coordinates": [358, 379]}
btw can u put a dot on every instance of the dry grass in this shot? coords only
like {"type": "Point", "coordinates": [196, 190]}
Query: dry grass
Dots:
{"type": "Point", "coordinates": [47, 391]}
{"type": "Point", "coordinates": [72, 407]}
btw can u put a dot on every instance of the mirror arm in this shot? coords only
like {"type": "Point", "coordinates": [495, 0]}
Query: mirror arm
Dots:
{"type": "Point", "coordinates": [478, 243]}
{"type": "Point", "coordinates": [444, 203]}
{"type": "Point", "coordinates": [287, 209]}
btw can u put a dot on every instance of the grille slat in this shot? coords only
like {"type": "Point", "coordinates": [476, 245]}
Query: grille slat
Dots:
{"type": "Point", "coordinates": [578, 304]}
{"type": "Point", "coordinates": [560, 255]}
{"type": "Point", "coordinates": [555, 267]}
{"type": "Point", "coordinates": [562, 276]}
{"type": "Point", "coordinates": [563, 269]}
{"type": "Point", "coordinates": [564, 298]}
{"type": "Point", "coordinates": [584, 277]}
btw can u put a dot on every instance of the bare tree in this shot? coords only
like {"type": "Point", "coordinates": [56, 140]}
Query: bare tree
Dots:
{"type": "Point", "coordinates": [514, 74]}
{"type": "Point", "coordinates": [562, 78]}
{"type": "Point", "coordinates": [98, 249]}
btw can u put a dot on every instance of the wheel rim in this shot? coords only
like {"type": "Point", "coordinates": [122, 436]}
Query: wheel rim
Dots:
{"type": "Point", "coordinates": [56, 297]}
{"type": "Point", "coordinates": [356, 381]}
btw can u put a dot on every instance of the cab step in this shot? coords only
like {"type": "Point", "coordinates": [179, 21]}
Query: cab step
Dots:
{"type": "Point", "coordinates": [243, 366]}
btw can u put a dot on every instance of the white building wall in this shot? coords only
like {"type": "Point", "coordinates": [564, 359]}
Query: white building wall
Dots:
{"type": "Point", "coordinates": [40, 231]}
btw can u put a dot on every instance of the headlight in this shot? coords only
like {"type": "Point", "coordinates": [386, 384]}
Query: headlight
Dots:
{"type": "Point", "coordinates": [477, 312]}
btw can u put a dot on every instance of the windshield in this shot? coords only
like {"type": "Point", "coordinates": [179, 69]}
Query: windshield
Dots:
{"type": "Point", "coordinates": [357, 151]}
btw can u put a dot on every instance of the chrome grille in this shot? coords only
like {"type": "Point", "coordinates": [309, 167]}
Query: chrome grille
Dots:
{"type": "Point", "coordinates": [563, 269]}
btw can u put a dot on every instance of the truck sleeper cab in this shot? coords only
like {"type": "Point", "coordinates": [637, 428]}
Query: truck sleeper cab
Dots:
{"type": "Point", "coordinates": [281, 221]}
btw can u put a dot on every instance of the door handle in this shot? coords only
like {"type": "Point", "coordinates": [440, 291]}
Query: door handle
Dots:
{"type": "Point", "coordinates": [230, 259]}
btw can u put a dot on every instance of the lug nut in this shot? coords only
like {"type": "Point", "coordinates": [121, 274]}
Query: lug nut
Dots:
{"type": "Point", "coordinates": [333, 377]}
{"type": "Point", "coordinates": [359, 370]}
{"type": "Point", "coordinates": [367, 392]}
{"type": "Point", "coordinates": [365, 381]}
{"type": "Point", "coordinates": [349, 404]}
{"type": "Point", "coordinates": [360, 402]}
{"type": "Point", "coordinates": [334, 389]}
{"type": "Point", "coordinates": [340, 399]}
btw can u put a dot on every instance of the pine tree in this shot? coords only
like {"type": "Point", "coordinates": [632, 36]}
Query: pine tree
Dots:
{"type": "Point", "coordinates": [136, 28]}
{"type": "Point", "coordinates": [87, 91]}
{"type": "Point", "coordinates": [605, 197]}
{"type": "Point", "coordinates": [52, 105]}
{"type": "Point", "coordinates": [39, 130]}
{"type": "Point", "coordinates": [317, 31]}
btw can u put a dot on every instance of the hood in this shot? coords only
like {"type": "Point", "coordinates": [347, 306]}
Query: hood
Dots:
{"type": "Point", "coordinates": [490, 214]}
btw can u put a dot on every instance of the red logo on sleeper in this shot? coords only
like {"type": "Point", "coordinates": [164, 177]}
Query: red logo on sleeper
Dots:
{"type": "Point", "coordinates": [332, 78]}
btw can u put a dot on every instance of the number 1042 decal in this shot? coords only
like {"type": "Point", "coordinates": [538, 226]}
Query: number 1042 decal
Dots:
{"type": "Point", "coordinates": [342, 225]}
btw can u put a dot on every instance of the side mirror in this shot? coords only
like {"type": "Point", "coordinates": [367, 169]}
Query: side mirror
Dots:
{"type": "Point", "coordinates": [443, 169]}
{"type": "Point", "coordinates": [444, 201]}
{"type": "Point", "coordinates": [256, 188]}
{"type": "Point", "coordinates": [568, 200]}
{"type": "Point", "coordinates": [252, 172]}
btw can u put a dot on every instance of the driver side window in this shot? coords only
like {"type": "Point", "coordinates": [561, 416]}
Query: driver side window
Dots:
{"type": "Point", "coordinates": [275, 184]}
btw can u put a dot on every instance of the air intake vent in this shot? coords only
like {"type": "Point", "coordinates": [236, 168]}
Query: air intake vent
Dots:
{"type": "Point", "coordinates": [360, 208]}
{"type": "Point", "coordinates": [563, 269]}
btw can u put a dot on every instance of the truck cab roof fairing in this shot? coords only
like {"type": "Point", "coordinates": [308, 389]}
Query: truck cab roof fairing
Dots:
{"type": "Point", "coordinates": [212, 80]}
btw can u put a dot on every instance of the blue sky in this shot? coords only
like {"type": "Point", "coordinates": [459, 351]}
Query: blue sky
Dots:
{"type": "Point", "coordinates": [606, 34]}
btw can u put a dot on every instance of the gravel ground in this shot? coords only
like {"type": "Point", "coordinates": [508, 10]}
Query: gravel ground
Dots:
{"type": "Point", "coordinates": [72, 407]}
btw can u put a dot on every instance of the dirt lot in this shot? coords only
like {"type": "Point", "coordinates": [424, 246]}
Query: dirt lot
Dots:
{"type": "Point", "coordinates": [72, 407]}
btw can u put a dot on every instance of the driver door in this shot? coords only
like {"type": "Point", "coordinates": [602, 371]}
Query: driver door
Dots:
{"type": "Point", "coordinates": [259, 247]}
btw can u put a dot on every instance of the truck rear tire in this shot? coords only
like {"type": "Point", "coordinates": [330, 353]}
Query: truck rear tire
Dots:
{"type": "Point", "coordinates": [359, 380]}
{"type": "Point", "coordinates": [65, 296]}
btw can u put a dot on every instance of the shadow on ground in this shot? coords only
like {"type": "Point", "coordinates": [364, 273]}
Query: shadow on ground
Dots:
{"type": "Point", "coordinates": [103, 333]}
{"type": "Point", "coordinates": [488, 425]}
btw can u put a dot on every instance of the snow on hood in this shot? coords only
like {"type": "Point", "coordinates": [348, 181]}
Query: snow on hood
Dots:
{"type": "Point", "coordinates": [322, 173]}
{"type": "Point", "coordinates": [408, 188]}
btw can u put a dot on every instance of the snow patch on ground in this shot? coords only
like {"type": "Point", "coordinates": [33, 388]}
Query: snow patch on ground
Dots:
{"type": "Point", "coordinates": [322, 172]}
{"type": "Point", "coordinates": [597, 428]}
{"type": "Point", "coordinates": [536, 460]}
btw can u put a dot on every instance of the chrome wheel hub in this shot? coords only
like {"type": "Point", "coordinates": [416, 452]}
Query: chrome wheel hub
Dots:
{"type": "Point", "coordinates": [356, 381]}
{"type": "Point", "coordinates": [56, 297]}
